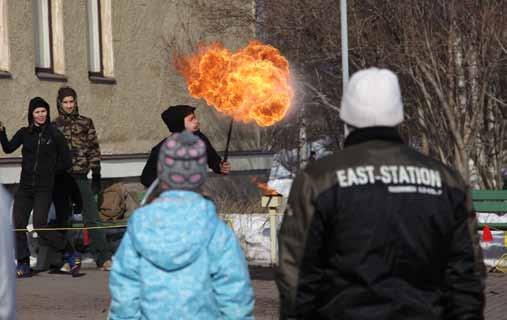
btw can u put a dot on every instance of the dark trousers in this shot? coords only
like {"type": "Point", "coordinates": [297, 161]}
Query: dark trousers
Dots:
{"type": "Point", "coordinates": [48, 257]}
{"type": "Point", "coordinates": [38, 199]}
{"type": "Point", "coordinates": [98, 244]}
{"type": "Point", "coordinates": [65, 194]}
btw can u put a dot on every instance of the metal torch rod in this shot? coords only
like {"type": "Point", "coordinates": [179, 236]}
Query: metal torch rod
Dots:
{"type": "Point", "coordinates": [226, 152]}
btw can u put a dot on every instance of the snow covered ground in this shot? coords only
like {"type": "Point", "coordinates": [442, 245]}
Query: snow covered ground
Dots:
{"type": "Point", "coordinates": [493, 250]}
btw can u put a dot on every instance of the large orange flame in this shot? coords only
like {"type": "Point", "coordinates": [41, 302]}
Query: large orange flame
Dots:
{"type": "Point", "coordinates": [249, 85]}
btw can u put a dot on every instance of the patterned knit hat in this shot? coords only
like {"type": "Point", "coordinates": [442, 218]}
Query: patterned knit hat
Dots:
{"type": "Point", "coordinates": [182, 162]}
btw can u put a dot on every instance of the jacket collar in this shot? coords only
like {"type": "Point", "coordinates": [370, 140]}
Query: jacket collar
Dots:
{"type": "Point", "coordinates": [373, 133]}
{"type": "Point", "coordinates": [38, 129]}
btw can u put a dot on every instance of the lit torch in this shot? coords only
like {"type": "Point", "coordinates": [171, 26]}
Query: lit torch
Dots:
{"type": "Point", "coordinates": [252, 84]}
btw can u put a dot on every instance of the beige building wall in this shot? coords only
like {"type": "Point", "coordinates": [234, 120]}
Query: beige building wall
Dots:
{"type": "Point", "coordinates": [126, 114]}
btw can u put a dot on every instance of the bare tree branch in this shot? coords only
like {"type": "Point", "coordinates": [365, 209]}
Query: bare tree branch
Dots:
{"type": "Point", "coordinates": [322, 97]}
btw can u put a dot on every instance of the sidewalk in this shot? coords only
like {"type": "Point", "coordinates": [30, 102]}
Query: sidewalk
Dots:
{"type": "Point", "coordinates": [48, 297]}
{"type": "Point", "coordinates": [496, 296]}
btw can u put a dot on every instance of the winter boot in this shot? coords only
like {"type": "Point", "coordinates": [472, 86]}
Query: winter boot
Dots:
{"type": "Point", "coordinates": [74, 262]}
{"type": "Point", "coordinates": [65, 268]}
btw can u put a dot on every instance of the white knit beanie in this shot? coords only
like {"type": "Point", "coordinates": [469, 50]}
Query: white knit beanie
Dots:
{"type": "Point", "coordinates": [372, 98]}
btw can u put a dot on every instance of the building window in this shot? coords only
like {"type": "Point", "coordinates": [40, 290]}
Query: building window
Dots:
{"type": "Point", "coordinates": [48, 30]}
{"type": "Point", "coordinates": [4, 41]}
{"type": "Point", "coordinates": [100, 42]}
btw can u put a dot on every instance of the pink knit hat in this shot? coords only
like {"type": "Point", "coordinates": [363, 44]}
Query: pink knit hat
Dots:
{"type": "Point", "coordinates": [182, 162]}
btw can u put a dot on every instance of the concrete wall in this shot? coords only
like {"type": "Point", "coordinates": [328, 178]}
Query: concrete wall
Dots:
{"type": "Point", "coordinates": [126, 114]}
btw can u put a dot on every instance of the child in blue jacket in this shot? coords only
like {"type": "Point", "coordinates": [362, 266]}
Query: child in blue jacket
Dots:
{"type": "Point", "coordinates": [178, 260]}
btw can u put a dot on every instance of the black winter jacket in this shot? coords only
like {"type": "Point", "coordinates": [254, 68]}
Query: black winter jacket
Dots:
{"type": "Point", "coordinates": [174, 119]}
{"type": "Point", "coordinates": [150, 169]}
{"type": "Point", "coordinates": [45, 153]}
{"type": "Point", "coordinates": [379, 231]}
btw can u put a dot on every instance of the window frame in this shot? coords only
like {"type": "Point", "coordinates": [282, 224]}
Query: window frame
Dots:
{"type": "Point", "coordinates": [5, 59]}
{"type": "Point", "coordinates": [99, 76]}
{"type": "Point", "coordinates": [49, 69]}
{"type": "Point", "coordinates": [49, 73]}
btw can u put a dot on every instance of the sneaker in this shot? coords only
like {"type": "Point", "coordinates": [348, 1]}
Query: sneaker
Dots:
{"type": "Point", "coordinates": [65, 268]}
{"type": "Point", "coordinates": [74, 262]}
{"type": "Point", "coordinates": [106, 266]}
{"type": "Point", "coordinates": [23, 270]}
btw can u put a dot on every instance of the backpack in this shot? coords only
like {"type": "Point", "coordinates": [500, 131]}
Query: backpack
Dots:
{"type": "Point", "coordinates": [116, 203]}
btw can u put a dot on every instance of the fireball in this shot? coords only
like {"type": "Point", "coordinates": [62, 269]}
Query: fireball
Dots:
{"type": "Point", "coordinates": [252, 84]}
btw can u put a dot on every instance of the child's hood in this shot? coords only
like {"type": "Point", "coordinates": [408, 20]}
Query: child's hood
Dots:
{"type": "Point", "coordinates": [172, 231]}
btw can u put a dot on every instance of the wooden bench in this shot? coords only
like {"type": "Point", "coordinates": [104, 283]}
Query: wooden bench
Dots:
{"type": "Point", "coordinates": [491, 201]}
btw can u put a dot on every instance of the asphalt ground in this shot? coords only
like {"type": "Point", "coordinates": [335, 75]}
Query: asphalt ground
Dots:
{"type": "Point", "coordinates": [53, 296]}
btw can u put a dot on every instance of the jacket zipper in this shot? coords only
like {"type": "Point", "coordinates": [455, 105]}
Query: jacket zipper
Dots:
{"type": "Point", "coordinates": [71, 144]}
{"type": "Point", "coordinates": [36, 158]}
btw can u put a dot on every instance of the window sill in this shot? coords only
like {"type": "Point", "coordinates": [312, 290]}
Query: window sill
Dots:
{"type": "Point", "coordinates": [5, 75]}
{"type": "Point", "coordinates": [101, 79]}
{"type": "Point", "coordinates": [51, 76]}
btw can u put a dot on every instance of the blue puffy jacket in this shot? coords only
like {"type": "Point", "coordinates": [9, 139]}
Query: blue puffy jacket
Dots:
{"type": "Point", "coordinates": [178, 260]}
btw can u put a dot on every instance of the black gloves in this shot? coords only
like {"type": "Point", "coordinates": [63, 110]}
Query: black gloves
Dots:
{"type": "Point", "coordinates": [96, 186]}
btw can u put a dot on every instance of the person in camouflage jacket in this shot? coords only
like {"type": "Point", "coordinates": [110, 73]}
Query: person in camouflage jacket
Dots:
{"type": "Point", "coordinates": [81, 136]}
{"type": "Point", "coordinates": [80, 133]}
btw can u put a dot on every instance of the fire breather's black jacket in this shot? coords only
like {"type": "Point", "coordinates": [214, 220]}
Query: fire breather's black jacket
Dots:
{"type": "Point", "coordinates": [379, 231]}
{"type": "Point", "coordinates": [174, 119]}
{"type": "Point", "coordinates": [149, 173]}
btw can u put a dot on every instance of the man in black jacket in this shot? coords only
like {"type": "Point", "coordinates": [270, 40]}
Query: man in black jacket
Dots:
{"type": "Point", "coordinates": [178, 118]}
{"type": "Point", "coordinates": [379, 230]}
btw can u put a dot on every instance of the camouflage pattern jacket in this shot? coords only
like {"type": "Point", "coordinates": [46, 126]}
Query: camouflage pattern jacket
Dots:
{"type": "Point", "coordinates": [82, 139]}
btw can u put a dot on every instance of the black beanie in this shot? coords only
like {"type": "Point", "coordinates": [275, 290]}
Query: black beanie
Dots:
{"type": "Point", "coordinates": [174, 117]}
{"type": "Point", "coordinates": [35, 103]}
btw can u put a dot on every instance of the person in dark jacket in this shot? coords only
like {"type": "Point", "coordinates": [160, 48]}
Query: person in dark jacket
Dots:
{"type": "Point", "coordinates": [177, 119]}
{"type": "Point", "coordinates": [379, 230]}
{"type": "Point", "coordinates": [44, 154]}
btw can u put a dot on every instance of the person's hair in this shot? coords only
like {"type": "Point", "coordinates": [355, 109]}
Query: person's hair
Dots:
{"type": "Point", "coordinates": [66, 92]}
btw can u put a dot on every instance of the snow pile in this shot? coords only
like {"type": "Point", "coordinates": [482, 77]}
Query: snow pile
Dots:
{"type": "Point", "coordinates": [483, 217]}
{"type": "Point", "coordinates": [254, 234]}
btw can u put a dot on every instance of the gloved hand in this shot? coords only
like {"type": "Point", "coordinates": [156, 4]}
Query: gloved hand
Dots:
{"type": "Point", "coordinates": [96, 185]}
